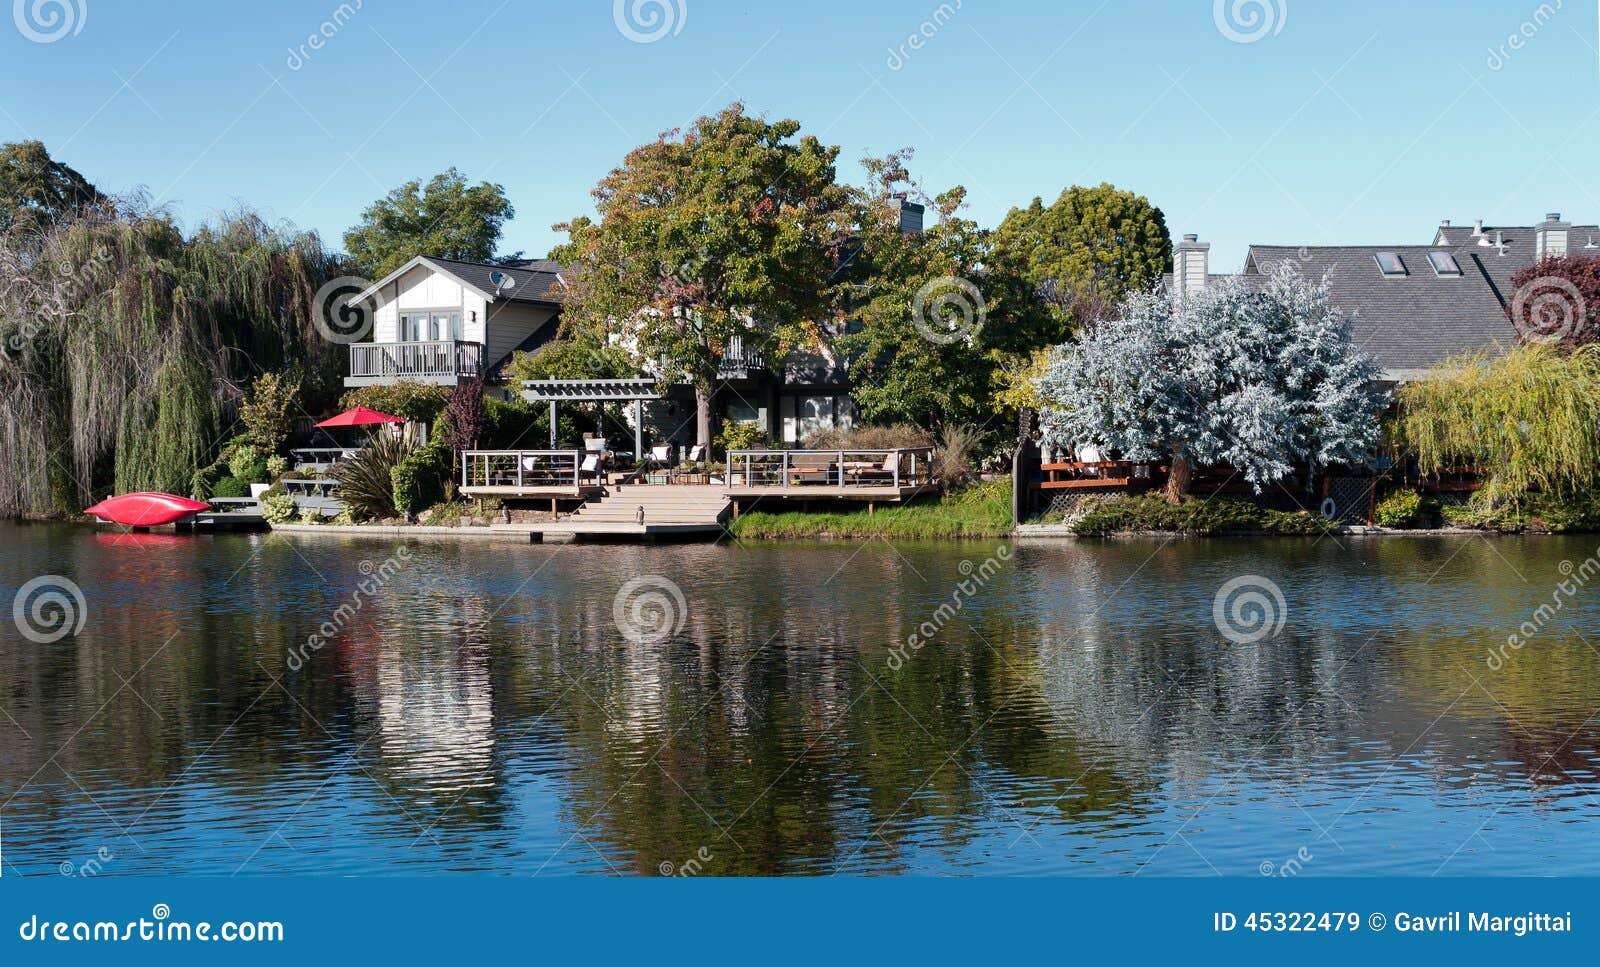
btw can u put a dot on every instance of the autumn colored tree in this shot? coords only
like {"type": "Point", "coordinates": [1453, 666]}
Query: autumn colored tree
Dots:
{"type": "Point", "coordinates": [728, 230]}
{"type": "Point", "coordinates": [1556, 301]}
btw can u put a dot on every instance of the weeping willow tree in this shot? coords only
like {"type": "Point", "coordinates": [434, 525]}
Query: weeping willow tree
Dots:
{"type": "Point", "coordinates": [1528, 421]}
{"type": "Point", "coordinates": [126, 346]}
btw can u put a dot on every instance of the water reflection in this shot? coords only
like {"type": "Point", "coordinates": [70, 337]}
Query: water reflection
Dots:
{"type": "Point", "coordinates": [481, 712]}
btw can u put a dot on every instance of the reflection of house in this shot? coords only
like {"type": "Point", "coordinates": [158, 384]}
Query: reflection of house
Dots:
{"type": "Point", "coordinates": [1417, 305]}
{"type": "Point", "coordinates": [442, 321]}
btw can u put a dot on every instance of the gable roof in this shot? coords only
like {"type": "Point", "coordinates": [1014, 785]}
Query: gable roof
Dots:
{"type": "Point", "coordinates": [537, 286]}
{"type": "Point", "coordinates": [1406, 323]}
{"type": "Point", "coordinates": [1518, 241]}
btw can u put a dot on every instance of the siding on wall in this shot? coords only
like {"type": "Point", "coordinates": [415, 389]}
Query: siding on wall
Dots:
{"type": "Point", "coordinates": [501, 328]}
{"type": "Point", "coordinates": [509, 324]}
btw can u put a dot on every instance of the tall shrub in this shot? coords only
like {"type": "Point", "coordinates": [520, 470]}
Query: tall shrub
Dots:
{"type": "Point", "coordinates": [1529, 420]}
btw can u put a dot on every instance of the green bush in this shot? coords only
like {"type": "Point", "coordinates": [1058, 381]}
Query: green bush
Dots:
{"type": "Point", "coordinates": [1216, 515]}
{"type": "Point", "coordinates": [230, 487]}
{"type": "Point", "coordinates": [1578, 512]}
{"type": "Point", "coordinates": [421, 402]}
{"type": "Point", "coordinates": [277, 507]}
{"type": "Point", "coordinates": [277, 467]}
{"type": "Point", "coordinates": [248, 464]}
{"type": "Point", "coordinates": [740, 436]}
{"type": "Point", "coordinates": [418, 480]}
{"type": "Point", "coordinates": [1402, 508]}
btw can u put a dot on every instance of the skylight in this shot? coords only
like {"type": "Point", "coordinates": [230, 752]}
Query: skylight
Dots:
{"type": "Point", "coordinates": [1390, 263]}
{"type": "Point", "coordinates": [1444, 263]}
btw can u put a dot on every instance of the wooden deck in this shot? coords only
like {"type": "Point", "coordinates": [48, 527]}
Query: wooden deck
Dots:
{"type": "Point", "coordinates": [547, 474]}
{"type": "Point", "coordinates": [810, 491]}
{"type": "Point", "coordinates": [546, 491]}
{"type": "Point", "coordinates": [875, 476]}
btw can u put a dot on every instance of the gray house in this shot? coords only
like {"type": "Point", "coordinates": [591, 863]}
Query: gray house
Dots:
{"type": "Point", "coordinates": [1415, 306]}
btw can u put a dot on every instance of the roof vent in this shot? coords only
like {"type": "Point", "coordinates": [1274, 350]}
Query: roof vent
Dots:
{"type": "Point", "coordinates": [1477, 228]}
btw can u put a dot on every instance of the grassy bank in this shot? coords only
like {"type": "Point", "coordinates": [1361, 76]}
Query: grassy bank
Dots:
{"type": "Point", "coordinates": [1151, 512]}
{"type": "Point", "coordinates": [983, 510]}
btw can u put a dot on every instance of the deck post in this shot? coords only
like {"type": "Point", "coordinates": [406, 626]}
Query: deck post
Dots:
{"type": "Point", "coordinates": [841, 468]}
{"type": "Point", "coordinates": [638, 432]}
{"type": "Point", "coordinates": [552, 424]}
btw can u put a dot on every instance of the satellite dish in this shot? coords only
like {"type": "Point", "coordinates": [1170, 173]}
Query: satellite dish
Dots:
{"type": "Point", "coordinates": [501, 281]}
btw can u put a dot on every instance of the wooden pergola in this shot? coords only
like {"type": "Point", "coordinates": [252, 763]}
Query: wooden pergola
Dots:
{"type": "Point", "coordinates": [635, 391]}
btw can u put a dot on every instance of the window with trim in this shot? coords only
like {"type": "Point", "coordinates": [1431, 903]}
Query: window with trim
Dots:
{"type": "Point", "coordinates": [430, 325]}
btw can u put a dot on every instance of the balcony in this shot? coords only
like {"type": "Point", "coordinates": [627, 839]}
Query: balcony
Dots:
{"type": "Point", "coordinates": [444, 362]}
{"type": "Point", "coordinates": [738, 364]}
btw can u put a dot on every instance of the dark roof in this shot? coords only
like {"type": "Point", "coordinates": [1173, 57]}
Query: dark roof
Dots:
{"type": "Point", "coordinates": [1410, 322]}
{"type": "Point", "coordinates": [1518, 241]}
{"type": "Point", "coordinates": [536, 285]}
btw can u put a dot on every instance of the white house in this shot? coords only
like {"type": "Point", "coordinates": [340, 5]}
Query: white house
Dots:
{"type": "Point", "coordinates": [441, 321]}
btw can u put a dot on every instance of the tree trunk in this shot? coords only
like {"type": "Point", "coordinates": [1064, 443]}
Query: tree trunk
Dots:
{"type": "Point", "coordinates": [702, 418]}
{"type": "Point", "coordinates": [1178, 479]}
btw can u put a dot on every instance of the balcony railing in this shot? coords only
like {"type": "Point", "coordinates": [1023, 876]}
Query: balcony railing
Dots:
{"type": "Point", "coordinates": [441, 360]}
{"type": "Point", "coordinates": [738, 364]}
{"type": "Point", "coordinates": [843, 469]}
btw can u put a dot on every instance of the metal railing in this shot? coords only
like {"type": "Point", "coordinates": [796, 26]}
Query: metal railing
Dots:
{"type": "Point", "coordinates": [904, 467]}
{"type": "Point", "coordinates": [522, 469]}
{"type": "Point", "coordinates": [448, 358]}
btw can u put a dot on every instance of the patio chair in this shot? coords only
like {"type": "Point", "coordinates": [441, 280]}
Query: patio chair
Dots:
{"type": "Point", "coordinates": [590, 468]}
{"type": "Point", "coordinates": [877, 473]}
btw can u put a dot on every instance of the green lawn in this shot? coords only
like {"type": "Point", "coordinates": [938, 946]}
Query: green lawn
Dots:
{"type": "Point", "coordinates": [982, 510]}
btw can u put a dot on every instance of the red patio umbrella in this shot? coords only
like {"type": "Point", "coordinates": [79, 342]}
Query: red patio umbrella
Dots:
{"type": "Point", "coordinates": [361, 416]}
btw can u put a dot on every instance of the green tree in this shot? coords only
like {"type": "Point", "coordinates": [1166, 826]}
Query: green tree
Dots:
{"type": "Point", "coordinates": [1094, 244]}
{"type": "Point", "coordinates": [936, 315]}
{"type": "Point", "coordinates": [447, 218]}
{"type": "Point", "coordinates": [269, 411]}
{"type": "Point", "coordinates": [729, 230]}
{"type": "Point", "coordinates": [34, 187]}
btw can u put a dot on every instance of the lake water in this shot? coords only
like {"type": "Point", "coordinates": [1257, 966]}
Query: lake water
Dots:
{"type": "Point", "coordinates": [261, 704]}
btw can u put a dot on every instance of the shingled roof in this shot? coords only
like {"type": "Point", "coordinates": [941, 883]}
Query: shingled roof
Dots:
{"type": "Point", "coordinates": [538, 282]}
{"type": "Point", "coordinates": [1410, 322]}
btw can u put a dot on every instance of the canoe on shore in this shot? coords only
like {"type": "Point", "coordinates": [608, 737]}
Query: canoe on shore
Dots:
{"type": "Point", "coordinates": [146, 509]}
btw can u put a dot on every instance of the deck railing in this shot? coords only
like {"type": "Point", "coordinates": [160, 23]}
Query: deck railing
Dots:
{"type": "Point", "coordinates": [522, 468]}
{"type": "Point", "coordinates": [903, 467]}
{"type": "Point", "coordinates": [446, 358]}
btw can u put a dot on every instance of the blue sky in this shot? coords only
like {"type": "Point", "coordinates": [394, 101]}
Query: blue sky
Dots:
{"type": "Point", "coordinates": [1341, 121]}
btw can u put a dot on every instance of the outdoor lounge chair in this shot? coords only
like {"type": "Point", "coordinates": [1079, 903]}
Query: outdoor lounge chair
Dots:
{"type": "Point", "coordinates": [590, 468]}
{"type": "Point", "coordinates": [876, 473]}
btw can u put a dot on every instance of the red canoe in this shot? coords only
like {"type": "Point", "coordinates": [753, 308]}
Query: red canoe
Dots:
{"type": "Point", "coordinates": [146, 510]}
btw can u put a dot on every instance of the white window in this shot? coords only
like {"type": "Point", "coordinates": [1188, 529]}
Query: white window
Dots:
{"type": "Point", "coordinates": [430, 325]}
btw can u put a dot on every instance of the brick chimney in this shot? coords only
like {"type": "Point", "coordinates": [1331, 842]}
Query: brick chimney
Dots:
{"type": "Point", "coordinates": [1550, 236]}
{"type": "Point", "coordinates": [1191, 265]}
